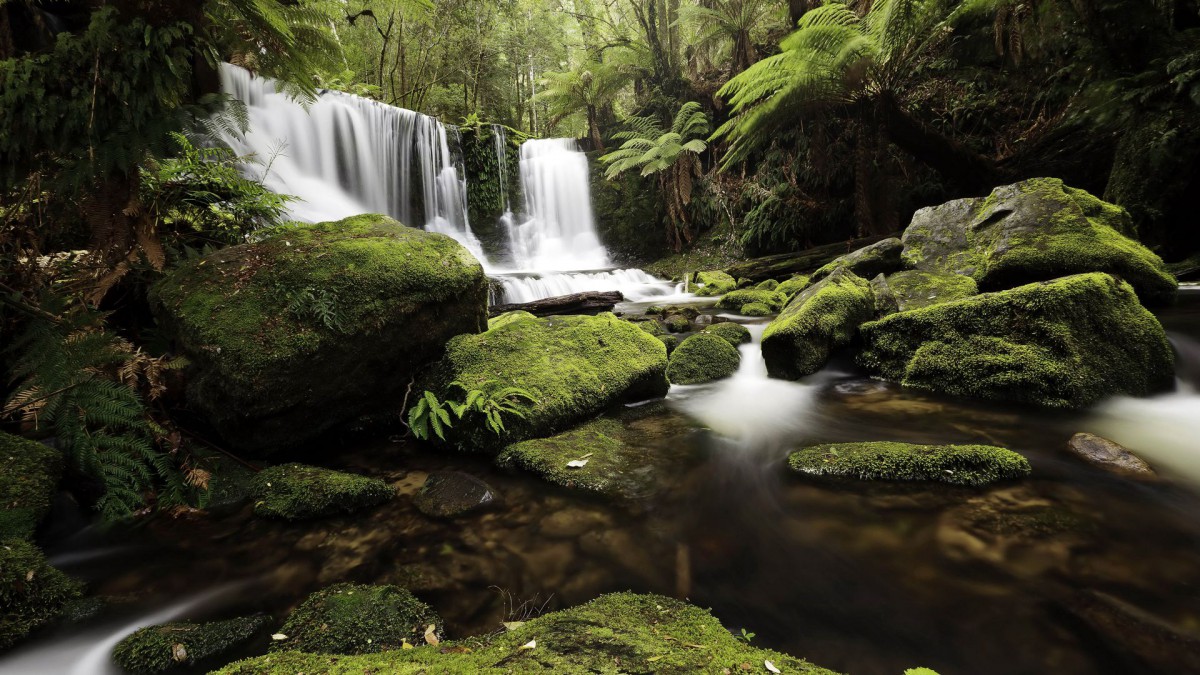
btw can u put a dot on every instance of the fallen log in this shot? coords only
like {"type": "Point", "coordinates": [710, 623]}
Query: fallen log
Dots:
{"type": "Point", "coordinates": [589, 302]}
{"type": "Point", "coordinates": [785, 265]}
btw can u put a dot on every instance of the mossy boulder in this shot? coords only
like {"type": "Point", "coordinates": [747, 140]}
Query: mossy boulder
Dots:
{"type": "Point", "coordinates": [816, 322]}
{"type": "Point", "coordinates": [971, 465]}
{"type": "Point", "coordinates": [677, 323]}
{"type": "Point", "coordinates": [316, 326]}
{"type": "Point", "coordinates": [714, 283]}
{"type": "Point", "coordinates": [1034, 230]}
{"type": "Point", "coordinates": [914, 289]}
{"type": "Point", "coordinates": [703, 357]}
{"type": "Point", "coordinates": [357, 619]}
{"type": "Point", "coordinates": [609, 465]}
{"type": "Point", "coordinates": [574, 366]}
{"type": "Point", "coordinates": [794, 285]}
{"type": "Point", "coordinates": [735, 333]}
{"type": "Point", "coordinates": [735, 300]}
{"type": "Point", "coordinates": [508, 317]}
{"type": "Point", "coordinates": [882, 257]}
{"type": "Point", "coordinates": [157, 649]}
{"type": "Point", "coordinates": [32, 593]}
{"type": "Point", "coordinates": [651, 326]}
{"type": "Point", "coordinates": [29, 474]}
{"type": "Point", "coordinates": [757, 309]}
{"type": "Point", "coordinates": [1064, 344]}
{"type": "Point", "coordinates": [297, 492]}
{"type": "Point", "coordinates": [621, 632]}
{"type": "Point", "coordinates": [768, 285]}
{"type": "Point", "coordinates": [669, 341]}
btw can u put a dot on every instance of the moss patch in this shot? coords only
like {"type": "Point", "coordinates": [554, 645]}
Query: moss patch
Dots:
{"type": "Point", "coordinates": [714, 283]}
{"type": "Point", "coordinates": [816, 322]}
{"type": "Point", "coordinates": [972, 465]}
{"type": "Point", "coordinates": [607, 468]}
{"type": "Point", "coordinates": [1064, 344]}
{"type": "Point", "coordinates": [882, 257]}
{"type": "Point", "coordinates": [296, 492]}
{"type": "Point", "coordinates": [757, 309]}
{"type": "Point", "coordinates": [507, 318]}
{"type": "Point", "coordinates": [29, 473]}
{"type": "Point", "coordinates": [621, 632]}
{"type": "Point", "coordinates": [703, 357]}
{"type": "Point", "coordinates": [156, 649]}
{"type": "Point", "coordinates": [669, 341]}
{"type": "Point", "coordinates": [914, 289]}
{"type": "Point", "coordinates": [735, 333]}
{"type": "Point", "coordinates": [794, 285]}
{"type": "Point", "coordinates": [768, 285]}
{"type": "Point", "coordinates": [357, 619]}
{"type": "Point", "coordinates": [32, 593]}
{"type": "Point", "coordinates": [735, 300]}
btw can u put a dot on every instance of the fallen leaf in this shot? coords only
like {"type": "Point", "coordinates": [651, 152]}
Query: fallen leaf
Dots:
{"type": "Point", "coordinates": [29, 576]}
{"type": "Point", "coordinates": [652, 659]}
{"type": "Point", "coordinates": [404, 644]}
{"type": "Point", "coordinates": [528, 645]}
{"type": "Point", "coordinates": [512, 625]}
{"type": "Point", "coordinates": [279, 636]}
{"type": "Point", "coordinates": [771, 667]}
{"type": "Point", "coordinates": [179, 653]}
{"type": "Point", "coordinates": [430, 636]}
{"type": "Point", "coordinates": [577, 464]}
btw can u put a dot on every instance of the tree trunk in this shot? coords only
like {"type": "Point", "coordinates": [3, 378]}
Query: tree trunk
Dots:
{"type": "Point", "coordinates": [589, 302]}
{"type": "Point", "coordinates": [594, 128]}
{"type": "Point", "coordinates": [954, 161]}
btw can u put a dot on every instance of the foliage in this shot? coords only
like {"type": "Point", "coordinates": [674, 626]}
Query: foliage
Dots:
{"type": "Point", "coordinates": [32, 593]}
{"type": "Point", "coordinates": [725, 29]}
{"type": "Point", "coordinates": [586, 88]}
{"type": "Point", "coordinates": [489, 403]}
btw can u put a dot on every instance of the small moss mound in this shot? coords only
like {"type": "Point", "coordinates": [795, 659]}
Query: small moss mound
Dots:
{"type": "Point", "coordinates": [714, 283]}
{"type": "Point", "coordinates": [820, 319]}
{"type": "Point", "coordinates": [296, 492]}
{"type": "Point", "coordinates": [357, 619]}
{"type": "Point", "coordinates": [971, 465]}
{"type": "Point", "coordinates": [621, 632]}
{"type": "Point", "coordinates": [669, 341]}
{"type": "Point", "coordinates": [756, 309]}
{"type": "Point", "coordinates": [768, 285]}
{"type": "Point", "coordinates": [29, 473]}
{"type": "Point", "coordinates": [507, 318]}
{"type": "Point", "coordinates": [157, 649]}
{"type": "Point", "coordinates": [794, 285]}
{"type": "Point", "coordinates": [651, 326]}
{"type": "Point", "coordinates": [738, 299]}
{"type": "Point", "coordinates": [32, 593]}
{"type": "Point", "coordinates": [735, 333]}
{"type": "Point", "coordinates": [598, 442]}
{"type": "Point", "coordinates": [703, 357]}
{"type": "Point", "coordinates": [677, 323]}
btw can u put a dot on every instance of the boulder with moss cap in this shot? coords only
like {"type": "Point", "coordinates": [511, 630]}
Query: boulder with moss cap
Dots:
{"type": "Point", "coordinates": [735, 300]}
{"type": "Point", "coordinates": [1035, 230]}
{"type": "Point", "coordinates": [316, 326]}
{"type": "Point", "coordinates": [32, 593]}
{"type": "Point", "coordinates": [357, 619]}
{"type": "Point", "coordinates": [703, 357]}
{"type": "Point", "coordinates": [298, 492]}
{"type": "Point", "coordinates": [714, 283]}
{"type": "Point", "coordinates": [971, 465]}
{"type": "Point", "coordinates": [816, 322]}
{"type": "Point", "coordinates": [735, 333]}
{"type": "Point", "coordinates": [882, 257]}
{"type": "Point", "coordinates": [158, 649]}
{"type": "Point", "coordinates": [1066, 343]}
{"type": "Point", "coordinates": [914, 289]}
{"type": "Point", "coordinates": [29, 473]}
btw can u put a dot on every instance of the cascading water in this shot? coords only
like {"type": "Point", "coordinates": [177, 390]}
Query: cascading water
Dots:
{"type": "Point", "coordinates": [345, 155]}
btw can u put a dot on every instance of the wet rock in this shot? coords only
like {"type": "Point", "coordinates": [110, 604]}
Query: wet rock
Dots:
{"type": "Point", "coordinates": [573, 522]}
{"type": "Point", "coordinates": [32, 593]}
{"type": "Point", "coordinates": [735, 333]}
{"type": "Point", "coordinates": [298, 492]}
{"type": "Point", "coordinates": [702, 358]}
{"type": "Point", "coordinates": [447, 494]}
{"type": "Point", "coordinates": [357, 619]}
{"type": "Point", "coordinates": [1109, 456]}
{"type": "Point", "coordinates": [1150, 641]}
{"type": "Point", "coordinates": [703, 320]}
{"type": "Point", "coordinates": [737, 300]}
{"type": "Point", "coordinates": [972, 465]}
{"type": "Point", "coordinates": [817, 321]}
{"type": "Point", "coordinates": [677, 323]}
{"type": "Point", "coordinates": [157, 649]}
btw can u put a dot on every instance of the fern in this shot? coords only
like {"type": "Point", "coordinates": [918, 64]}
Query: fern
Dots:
{"type": "Point", "coordinates": [432, 414]}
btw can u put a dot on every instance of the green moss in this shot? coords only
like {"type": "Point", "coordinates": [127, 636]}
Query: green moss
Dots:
{"type": "Point", "coordinates": [296, 492]}
{"type": "Point", "coordinates": [816, 322]}
{"type": "Point", "coordinates": [507, 318]}
{"type": "Point", "coordinates": [157, 649]}
{"type": "Point", "coordinates": [914, 289]}
{"type": "Point", "coordinates": [703, 357]}
{"type": "Point", "coordinates": [714, 283]}
{"type": "Point", "coordinates": [316, 325]}
{"type": "Point", "coordinates": [32, 593]}
{"type": "Point", "coordinates": [670, 342]}
{"type": "Point", "coordinates": [768, 285]}
{"type": "Point", "coordinates": [29, 473]}
{"type": "Point", "coordinates": [1066, 344]}
{"type": "Point", "coordinates": [651, 326]}
{"type": "Point", "coordinates": [972, 465]}
{"type": "Point", "coordinates": [735, 300]}
{"type": "Point", "coordinates": [607, 469]}
{"type": "Point", "coordinates": [617, 633]}
{"type": "Point", "coordinates": [575, 366]}
{"type": "Point", "coordinates": [357, 619]}
{"type": "Point", "coordinates": [1102, 212]}
{"type": "Point", "coordinates": [794, 285]}
{"type": "Point", "coordinates": [757, 309]}
{"type": "Point", "coordinates": [677, 323]}
{"type": "Point", "coordinates": [882, 257]}
{"type": "Point", "coordinates": [735, 333]}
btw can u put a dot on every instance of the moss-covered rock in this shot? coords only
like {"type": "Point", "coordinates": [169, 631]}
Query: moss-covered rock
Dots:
{"type": "Point", "coordinates": [296, 492]}
{"type": "Point", "coordinates": [882, 257]}
{"type": "Point", "coordinates": [32, 593]}
{"type": "Point", "coordinates": [703, 357]}
{"type": "Point", "coordinates": [677, 323]}
{"type": "Point", "coordinates": [507, 318]}
{"type": "Point", "coordinates": [735, 300]}
{"type": "Point", "coordinates": [29, 473]}
{"type": "Point", "coordinates": [757, 309]}
{"type": "Point", "coordinates": [669, 341]}
{"type": "Point", "coordinates": [794, 285]}
{"type": "Point", "coordinates": [914, 289]}
{"type": "Point", "coordinates": [714, 283]}
{"type": "Point", "coordinates": [817, 321]}
{"type": "Point", "coordinates": [1066, 344]}
{"type": "Point", "coordinates": [597, 443]}
{"type": "Point", "coordinates": [651, 326]}
{"type": "Point", "coordinates": [735, 333]}
{"type": "Point", "coordinates": [621, 632]}
{"type": "Point", "coordinates": [157, 649]}
{"type": "Point", "coordinates": [574, 366]}
{"type": "Point", "coordinates": [316, 326]}
{"type": "Point", "coordinates": [972, 465]}
{"type": "Point", "coordinates": [1034, 230]}
{"type": "Point", "coordinates": [357, 619]}
{"type": "Point", "coordinates": [768, 285]}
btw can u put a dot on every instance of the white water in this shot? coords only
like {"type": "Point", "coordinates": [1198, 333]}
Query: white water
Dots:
{"type": "Point", "coordinates": [346, 155]}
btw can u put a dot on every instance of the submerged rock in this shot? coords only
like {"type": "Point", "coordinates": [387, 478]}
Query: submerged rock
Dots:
{"type": "Point", "coordinates": [736, 300]}
{"type": "Point", "coordinates": [157, 649]}
{"type": "Point", "coordinates": [714, 283]}
{"type": "Point", "coordinates": [1034, 230]}
{"type": "Point", "coordinates": [1109, 456]}
{"type": "Point", "coordinates": [297, 492]}
{"type": "Point", "coordinates": [1064, 344]}
{"type": "Point", "coordinates": [591, 458]}
{"type": "Point", "coordinates": [305, 330]}
{"type": "Point", "coordinates": [703, 357]}
{"type": "Point", "coordinates": [914, 289]}
{"type": "Point", "coordinates": [735, 333]}
{"type": "Point", "coordinates": [1154, 643]}
{"type": "Point", "coordinates": [882, 257]}
{"type": "Point", "coordinates": [817, 321]}
{"type": "Point", "coordinates": [647, 633]}
{"type": "Point", "coordinates": [32, 593]}
{"type": "Point", "coordinates": [29, 474]}
{"type": "Point", "coordinates": [972, 465]}
{"type": "Point", "coordinates": [357, 619]}
{"type": "Point", "coordinates": [447, 494]}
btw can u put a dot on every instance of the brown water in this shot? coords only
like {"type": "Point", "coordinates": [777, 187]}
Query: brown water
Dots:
{"type": "Point", "coordinates": [1071, 571]}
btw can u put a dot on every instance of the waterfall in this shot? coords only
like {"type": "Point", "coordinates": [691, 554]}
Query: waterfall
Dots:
{"type": "Point", "coordinates": [344, 155]}
{"type": "Point", "coordinates": [500, 140]}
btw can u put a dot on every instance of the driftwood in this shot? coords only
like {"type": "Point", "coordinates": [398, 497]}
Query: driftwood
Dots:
{"type": "Point", "coordinates": [786, 264]}
{"type": "Point", "coordinates": [590, 302]}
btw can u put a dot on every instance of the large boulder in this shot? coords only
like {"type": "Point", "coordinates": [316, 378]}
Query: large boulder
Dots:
{"type": "Point", "coordinates": [701, 358]}
{"type": "Point", "coordinates": [32, 593]}
{"type": "Point", "coordinates": [736, 300]}
{"type": "Point", "coordinates": [1034, 230]}
{"type": "Point", "coordinates": [817, 321]}
{"type": "Point", "coordinates": [882, 257]}
{"type": "Point", "coordinates": [914, 289]}
{"type": "Point", "coordinates": [316, 326]}
{"type": "Point", "coordinates": [358, 619]}
{"type": "Point", "coordinates": [1065, 344]}
{"type": "Point", "coordinates": [29, 473]}
{"type": "Point", "coordinates": [573, 366]}
{"type": "Point", "coordinates": [970, 465]}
